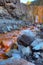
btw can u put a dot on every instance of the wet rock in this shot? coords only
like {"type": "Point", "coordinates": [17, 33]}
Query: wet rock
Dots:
{"type": "Point", "coordinates": [26, 37]}
{"type": "Point", "coordinates": [26, 51]}
{"type": "Point", "coordinates": [37, 44]}
{"type": "Point", "coordinates": [13, 61]}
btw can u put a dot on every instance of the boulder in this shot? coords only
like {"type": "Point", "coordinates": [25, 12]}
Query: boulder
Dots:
{"type": "Point", "coordinates": [13, 61]}
{"type": "Point", "coordinates": [37, 44]}
{"type": "Point", "coordinates": [26, 37]}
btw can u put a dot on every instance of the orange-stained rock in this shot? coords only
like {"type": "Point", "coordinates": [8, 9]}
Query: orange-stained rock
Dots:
{"type": "Point", "coordinates": [9, 39]}
{"type": "Point", "coordinates": [6, 44]}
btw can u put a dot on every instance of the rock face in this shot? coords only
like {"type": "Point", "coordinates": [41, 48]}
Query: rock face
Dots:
{"type": "Point", "coordinates": [15, 8]}
{"type": "Point", "coordinates": [4, 13]}
{"type": "Point", "coordinates": [2, 2]}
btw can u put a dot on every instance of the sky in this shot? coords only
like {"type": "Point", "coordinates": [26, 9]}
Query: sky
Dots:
{"type": "Point", "coordinates": [24, 1]}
